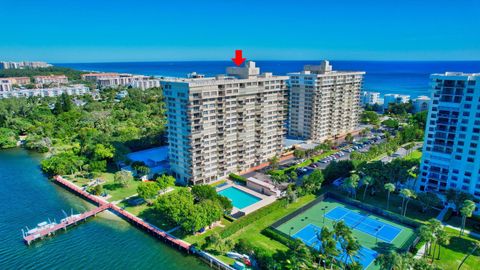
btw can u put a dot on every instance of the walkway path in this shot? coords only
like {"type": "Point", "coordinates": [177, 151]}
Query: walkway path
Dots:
{"type": "Point", "coordinates": [442, 213]}
{"type": "Point", "coordinates": [421, 252]}
{"type": "Point", "coordinates": [470, 233]}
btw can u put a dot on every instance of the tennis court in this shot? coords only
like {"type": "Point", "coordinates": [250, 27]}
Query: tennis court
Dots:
{"type": "Point", "coordinates": [392, 235]}
{"type": "Point", "coordinates": [308, 235]}
{"type": "Point", "coordinates": [364, 223]}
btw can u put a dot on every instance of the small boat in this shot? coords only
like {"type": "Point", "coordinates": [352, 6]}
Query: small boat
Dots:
{"type": "Point", "coordinates": [72, 217]}
{"type": "Point", "coordinates": [41, 226]}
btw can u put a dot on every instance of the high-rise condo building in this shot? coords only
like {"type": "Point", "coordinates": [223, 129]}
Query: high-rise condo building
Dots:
{"type": "Point", "coordinates": [451, 150]}
{"type": "Point", "coordinates": [323, 104]}
{"type": "Point", "coordinates": [224, 124]}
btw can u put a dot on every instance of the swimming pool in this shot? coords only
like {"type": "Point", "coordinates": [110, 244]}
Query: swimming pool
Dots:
{"type": "Point", "coordinates": [240, 199]}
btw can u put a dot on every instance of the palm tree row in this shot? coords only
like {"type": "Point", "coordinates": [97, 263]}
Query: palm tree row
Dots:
{"type": "Point", "coordinates": [435, 236]}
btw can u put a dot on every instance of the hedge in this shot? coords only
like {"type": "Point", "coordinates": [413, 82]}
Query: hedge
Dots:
{"type": "Point", "coordinates": [251, 218]}
{"type": "Point", "coordinates": [278, 236]}
{"type": "Point", "coordinates": [237, 178]}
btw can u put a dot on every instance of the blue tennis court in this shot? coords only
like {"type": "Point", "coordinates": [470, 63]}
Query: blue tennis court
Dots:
{"type": "Point", "coordinates": [364, 223]}
{"type": "Point", "coordinates": [308, 235]}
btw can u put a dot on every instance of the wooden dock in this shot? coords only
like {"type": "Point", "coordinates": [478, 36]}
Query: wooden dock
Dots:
{"type": "Point", "coordinates": [69, 221]}
{"type": "Point", "coordinates": [102, 206]}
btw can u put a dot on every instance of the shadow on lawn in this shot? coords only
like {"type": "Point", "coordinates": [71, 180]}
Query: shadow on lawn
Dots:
{"type": "Point", "coordinates": [112, 186]}
{"type": "Point", "coordinates": [461, 245]}
{"type": "Point", "coordinates": [153, 217]}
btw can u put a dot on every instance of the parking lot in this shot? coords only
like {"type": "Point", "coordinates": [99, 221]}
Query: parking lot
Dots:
{"type": "Point", "coordinates": [343, 153]}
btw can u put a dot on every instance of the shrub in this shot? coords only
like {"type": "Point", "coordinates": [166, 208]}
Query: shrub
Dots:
{"type": "Point", "coordinates": [278, 236]}
{"type": "Point", "coordinates": [237, 178]}
{"type": "Point", "coordinates": [251, 218]}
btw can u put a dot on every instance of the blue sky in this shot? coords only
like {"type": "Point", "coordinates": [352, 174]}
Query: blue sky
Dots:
{"type": "Point", "coordinates": [121, 30]}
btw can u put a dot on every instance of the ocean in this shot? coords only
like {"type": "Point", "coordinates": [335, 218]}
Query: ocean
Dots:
{"type": "Point", "coordinates": [400, 77]}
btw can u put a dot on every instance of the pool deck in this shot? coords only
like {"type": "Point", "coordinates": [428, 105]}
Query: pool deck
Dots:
{"type": "Point", "coordinates": [264, 199]}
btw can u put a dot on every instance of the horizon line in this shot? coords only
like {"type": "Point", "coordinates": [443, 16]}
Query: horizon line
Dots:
{"type": "Point", "coordinates": [263, 60]}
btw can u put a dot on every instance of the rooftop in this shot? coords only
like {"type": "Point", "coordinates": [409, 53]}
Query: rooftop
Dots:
{"type": "Point", "coordinates": [248, 71]}
{"type": "Point", "coordinates": [154, 154]}
{"type": "Point", "coordinates": [324, 69]}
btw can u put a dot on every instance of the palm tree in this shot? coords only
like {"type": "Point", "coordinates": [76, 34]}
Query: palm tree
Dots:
{"type": "Point", "coordinates": [274, 162]}
{"type": "Point", "coordinates": [389, 187]}
{"type": "Point", "coordinates": [426, 235]}
{"type": "Point", "coordinates": [367, 181]}
{"type": "Point", "coordinates": [467, 209]}
{"type": "Point", "coordinates": [341, 230]}
{"type": "Point", "coordinates": [443, 239]}
{"type": "Point", "coordinates": [435, 227]}
{"type": "Point", "coordinates": [329, 245]}
{"type": "Point", "coordinates": [351, 249]}
{"type": "Point", "coordinates": [407, 194]}
{"type": "Point", "coordinates": [300, 257]}
{"type": "Point", "coordinates": [351, 183]}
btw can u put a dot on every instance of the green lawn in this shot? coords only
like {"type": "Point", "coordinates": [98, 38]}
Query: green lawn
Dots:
{"type": "Point", "coordinates": [252, 232]}
{"type": "Point", "coordinates": [414, 155]}
{"type": "Point", "coordinates": [453, 254]}
{"type": "Point", "coordinates": [115, 191]}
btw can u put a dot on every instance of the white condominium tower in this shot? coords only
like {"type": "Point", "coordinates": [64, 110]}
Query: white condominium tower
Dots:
{"type": "Point", "coordinates": [451, 150]}
{"type": "Point", "coordinates": [224, 124]}
{"type": "Point", "coordinates": [324, 104]}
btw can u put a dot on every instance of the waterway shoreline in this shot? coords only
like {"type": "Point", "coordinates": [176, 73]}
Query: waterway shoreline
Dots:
{"type": "Point", "coordinates": [32, 197]}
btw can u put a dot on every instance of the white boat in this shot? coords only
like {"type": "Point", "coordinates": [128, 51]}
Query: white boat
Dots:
{"type": "Point", "coordinates": [72, 217]}
{"type": "Point", "coordinates": [41, 226]}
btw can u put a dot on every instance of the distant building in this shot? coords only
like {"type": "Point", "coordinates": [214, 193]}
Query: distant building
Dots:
{"type": "Point", "coordinates": [145, 84]}
{"type": "Point", "coordinates": [93, 77]}
{"type": "Point", "coordinates": [115, 79]}
{"type": "Point", "coordinates": [18, 80]}
{"type": "Point", "coordinates": [46, 92]}
{"type": "Point", "coordinates": [22, 65]}
{"type": "Point", "coordinates": [451, 149]}
{"type": "Point", "coordinates": [324, 104]}
{"type": "Point", "coordinates": [421, 104]}
{"type": "Point", "coordinates": [224, 124]}
{"type": "Point", "coordinates": [370, 98]}
{"type": "Point", "coordinates": [51, 79]}
{"type": "Point", "coordinates": [395, 99]}
{"type": "Point", "coordinates": [5, 85]}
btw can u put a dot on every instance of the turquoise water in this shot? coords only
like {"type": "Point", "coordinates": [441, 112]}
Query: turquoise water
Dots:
{"type": "Point", "coordinates": [103, 242]}
{"type": "Point", "coordinates": [240, 199]}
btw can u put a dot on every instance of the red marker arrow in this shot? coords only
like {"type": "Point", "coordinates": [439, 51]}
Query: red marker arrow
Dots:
{"type": "Point", "coordinates": [238, 60]}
